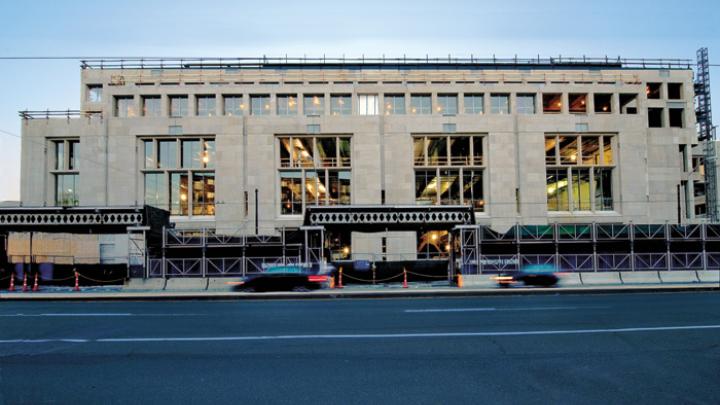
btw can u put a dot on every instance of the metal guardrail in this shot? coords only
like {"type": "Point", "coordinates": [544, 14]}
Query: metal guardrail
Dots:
{"type": "Point", "coordinates": [265, 61]}
{"type": "Point", "coordinates": [47, 114]}
{"type": "Point", "coordinates": [216, 266]}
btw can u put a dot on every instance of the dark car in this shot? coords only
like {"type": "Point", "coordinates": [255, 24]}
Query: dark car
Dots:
{"type": "Point", "coordinates": [286, 278]}
{"type": "Point", "coordinates": [543, 275]}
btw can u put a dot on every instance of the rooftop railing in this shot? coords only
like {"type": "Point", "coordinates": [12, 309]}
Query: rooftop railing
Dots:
{"type": "Point", "coordinates": [299, 62]}
{"type": "Point", "coordinates": [47, 114]}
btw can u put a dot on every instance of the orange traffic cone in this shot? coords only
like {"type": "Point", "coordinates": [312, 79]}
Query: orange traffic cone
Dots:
{"type": "Point", "coordinates": [405, 278]}
{"type": "Point", "coordinates": [25, 287]}
{"type": "Point", "coordinates": [77, 282]}
{"type": "Point", "coordinates": [459, 281]}
{"type": "Point", "coordinates": [12, 281]}
{"type": "Point", "coordinates": [339, 284]}
{"type": "Point", "coordinates": [35, 284]}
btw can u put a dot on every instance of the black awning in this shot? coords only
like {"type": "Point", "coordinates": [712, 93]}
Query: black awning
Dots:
{"type": "Point", "coordinates": [378, 218]}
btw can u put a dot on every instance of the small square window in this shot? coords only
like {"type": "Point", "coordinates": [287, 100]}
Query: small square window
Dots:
{"type": "Point", "coordinates": [125, 106]}
{"type": "Point", "coordinates": [525, 104]}
{"type": "Point", "coordinates": [655, 117]}
{"type": "Point", "coordinates": [473, 103]}
{"type": "Point", "coordinates": [94, 93]}
{"type": "Point", "coordinates": [675, 91]}
{"type": "Point", "coordinates": [603, 103]}
{"type": "Point", "coordinates": [420, 104]}
{"type": "Point", "coordinates": [205, 106]}
{"type": "Point", "coordinates": [578, 103]}
{"type": "Point", "coordinates": [653, 90]}
{"type": "Point", "coordinates": [340, 104]}
{"type": "Point", "coordinates": [233, 105]}
{"type": "Point", "coordinates": [178, 106]}
{"type": "Point", "coordinates": [314, 104]}
{"type": "Point", "coordinates": [287, 104]}
{"type": "Point", "coordinates": [259, 104]}
{"type": "Point", "coordinates": [447, 104]}
{"type": "Point", "coordinates": [500, 103]}
{"type": "Point", "coordinates": [552, 103]}
{"type": "Point", "coordinates": [151, 106]}
{"type": "Point", "coordinates": [676, 117]}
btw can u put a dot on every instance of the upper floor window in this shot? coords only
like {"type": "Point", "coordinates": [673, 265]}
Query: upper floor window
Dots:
{"type": "Point", "coordinates": [320, 151]}
{"type": "Point", "coordinates": [447, 104]}
{"type": "Point", "coordinates": [394, 104]}
{"type": "Point", "coordinates": [474, 103]}
{"type": "Point", "coordinates": [420, 104]}
{"type": "Point", "coordinates": [94, 93]}
{"type": "Point", "coordinates": [444, 150]}
{"type": "Point", "coordinates": [674, 91]}
{"type": "Point", "coordinates": [205, 106]}
{"type": "Point", "coordinates": [287, 104]}
{"type": "Point", "coordinates": [233, 105]}
{"type": "Point", "coordinates": [178, 106]}
{"type": "Point", "coordinates": [367, 104]}
{"type": "Point", "coordinates": [525, 103]}
{"type": "Point", "coordinates": [652, 90]}
{"type": "Point", "coordinates": [151, 106]}
{"type": "Point", "coordinates": [603, 103]}
{"type": "Point", "coordinates": [500, 103]}
{"type": "Point", "coordinates": [578, 103]}
{"type": "Point", "coordinates": [552, 103]}
{"type": "Point", "coordinates": [125, 106]}
{"type": "Point", "coordinates": [65, 171]}
{"type": "Point", "coordinates": [340, 104]}
{"type": "Point", "coordinates": [314, 104]}
{"type": "Point", "coordinates": [259, 104]}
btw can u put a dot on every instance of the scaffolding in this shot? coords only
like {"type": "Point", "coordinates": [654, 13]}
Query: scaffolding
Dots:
{"type": "Point", "coordinates": [706, 132]}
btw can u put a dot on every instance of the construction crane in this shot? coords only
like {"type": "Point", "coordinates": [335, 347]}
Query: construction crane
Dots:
{"type": "Point", "coordinates": [706, 132]}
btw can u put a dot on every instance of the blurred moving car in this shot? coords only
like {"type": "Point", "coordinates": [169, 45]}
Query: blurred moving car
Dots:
{"type": "Point", "coordinates": [534, 275]}
{"type": "Point", "coordinates": [287, 278]}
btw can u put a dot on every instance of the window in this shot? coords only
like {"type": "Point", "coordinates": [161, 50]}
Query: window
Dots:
{"type": "Point", "coordinates": [579, 172]}
{"type": "Point", "coordinates": [367, 104]}
{"type": "Point", "coordinates": [457, 177]}
{"type": "Point", "coordinates": [65, 171]}
{"type": "Point", "coordinates": [151, 106]}
{"type": "Point", "coordinates": [676, 117]}
{"type": "Point", "coordinates": [447, 104]}
{"type": "Point", "coordinates": [652, 90]}
{"type": "Point", "coordinates": [500, 103]}
{"type": "Point", "coordinates": [321, 179]}
{"type": "Point", "coordinates": [178, 175]}
{"type": "Point", "coordinates": [628, 104]}
{"type": "Point", "coordinates": [578, 103]}
{"type": "Point", "coordinates": [287, 104]}
{"type": "Point", "coordinates": [125, 106]}
{"type": "Point", "coordinates": [233, 105]}
{"type": "Point", "coordinates": [420, 104]}
{"type": "Point", "coordinates": [178, 106]}
{"type": "Point", "coordinates": [603, 103]}
{"type": "Point", "coordinates": [525, 103]}
{"type": "Point", "coordinates": [205, 106]}
{"type": "Point", "coordinates": [314, 104]}
{"type": "Point", "coordinates": [655, 117]}
{"type": "Point", "coordinates": [340, 104]}
{"type": "Point", "coordinates": [552, 103]}
{"type": "Point", "coordinates": [259, 104]}
{"type": "Point", "coordinates": [94, 93]}
{"type": "Point", "coordinates": [474, 103]}
{"type": "Point", "coordinates": [394, 104]}
{"type": "Point", "coordinates": [320, 151]}
{"type": "Point", "coordinates": [674, 91]}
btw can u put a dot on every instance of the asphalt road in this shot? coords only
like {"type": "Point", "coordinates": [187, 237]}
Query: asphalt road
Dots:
{"type": "Point", "coordinates": [623, 348]}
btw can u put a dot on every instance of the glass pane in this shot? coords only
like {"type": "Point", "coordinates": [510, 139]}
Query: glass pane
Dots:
{"type": "Point", "coordinates": [473, 104]}
{"type": "Point", "coordinates": [156, 190]}
{"type": "Point", "coordinates": [450, 187]}
{"type": "Point", "coordinates": [125, 107]}
{"type": "Point", "coordinates": [578, 103]}
{"type": "Point", "coordinates": [291, 193]}
{"type": "Point", "coordinates": [209, 154]}
{"type": "Point", "coordinates": [460, 150]}
{"type": "Point", "coordinates": [477, 150]}
{"type": "Point", "coordinates": [192, 154]}
{"type": "Point", "coordinates": [150, 162]}
{"type": "Point", "coordinates": [437, 151]}
{"type": "Point", "coordinates": [311, 188]}
{"type": "Point", "coordinates": [233, 105]}
{"type": "Point", "coordinates": [340, 105]}
{"type": "Point", "coordinates": [367, 104]}
{"type": "Point", "coordinates": [178, 194]}
{"type": "Point", "coordinates": [327, 152]}
{"type": "Point", "coordinates": [420, 104]}
{"type": "Point", "coordinates": [66, 193]}
{"type": "Point", "coordinates": [500, 104]}
{"type": "Point", "coordinates": [591, 150]}
{"type": "Point", "coordinates": [345, 188]}
{"type": "Point", "coordinates": [179, 106]}
{"type": "Point", "coordinates": [558, 198]}
{"type": "Point", "coordinates": [603, 190]}
{"type": "Point", "coordinates": [550, 155]}
{"type": "Point", "coordinates": [167, 155]}
{"type": "Point", "coordinates": [60, 155]}
{"type": "Point", "coordinates": [419, 151]}
{"type": "Point", "coordinates": [285, 152]}
{"type": "Point", "coordinates": [526, 104]}
{"type": "Point", "coordinates": [203, 193]}
{"type": "Point", "coordinates": [345, 151]}
{"type": "Point", "coordinates": [425, 187]}
{"type": "Point", "coordinates": [95, 93]}
{"type": "Point", "coordinates": [303, 152]}
{"type": "Point", "coordinates": [607, 151]}
{"type": "Point", "coordinates": [581, 189]}
{"type": "Point", "coordinates": [206, 106]}
{"type": "Point", "coordinates": [473, 189]}
{"type": "Point", "coordinates": [447, 104]}
{"type": "Point", "coordinates": [314, 104]}
{"type": "Point", "coordinates": [552, 103]}
{"type": "Point", "coordinates": [568, 150]}
{"type": "Point", "coordinates": [259, 105]}
{"type": "Point", "coordinates": [151, 106]}
{"type": "Point", "coordinates": [287, 105]}
{"type": "Point", "coordinates": [394, 104]}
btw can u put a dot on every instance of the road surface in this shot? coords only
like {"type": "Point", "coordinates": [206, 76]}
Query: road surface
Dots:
{"type": "Point", "coordinates": [614, 348]}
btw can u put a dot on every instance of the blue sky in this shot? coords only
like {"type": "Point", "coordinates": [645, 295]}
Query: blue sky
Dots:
{"type": "Point", "coordinates": [630, 28]}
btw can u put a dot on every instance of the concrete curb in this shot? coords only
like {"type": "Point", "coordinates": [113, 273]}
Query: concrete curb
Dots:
{"type": "Point", "coordinates": [348, 293]}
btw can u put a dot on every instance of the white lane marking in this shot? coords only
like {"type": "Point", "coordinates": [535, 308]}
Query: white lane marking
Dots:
{"type": "Point", "coordinates": [490, 309]}
{"type": "Point", "coordinates": [99, 314]}
{"type": "Point", "coordinates": [366, 336]}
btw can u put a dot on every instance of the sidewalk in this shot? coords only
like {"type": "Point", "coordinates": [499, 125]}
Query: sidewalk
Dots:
{"type": "Point", "coordinates": [118, 293]}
